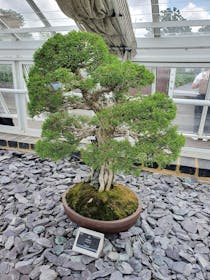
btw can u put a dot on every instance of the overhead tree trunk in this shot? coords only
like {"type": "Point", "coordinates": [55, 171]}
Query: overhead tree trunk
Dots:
{"type": "Point", "coordinates": [110, 18]}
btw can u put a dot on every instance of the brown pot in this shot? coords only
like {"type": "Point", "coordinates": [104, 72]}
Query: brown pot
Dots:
{"type": "Point", "coordinates": [99, 225]}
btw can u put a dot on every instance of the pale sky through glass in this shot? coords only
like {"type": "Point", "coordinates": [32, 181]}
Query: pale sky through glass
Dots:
{"type": "Point", "coordinates": [204, 4]}
{"type": "Point", "coordinates": [140, 10]}
{"type": "Point", "coordinates": [195, 9]}
{"type": "Point", "coordinates": [48, 7]}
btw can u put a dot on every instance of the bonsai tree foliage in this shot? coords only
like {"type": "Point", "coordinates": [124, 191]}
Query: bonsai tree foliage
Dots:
{"type": "Point", "coordinates": [124, 129]}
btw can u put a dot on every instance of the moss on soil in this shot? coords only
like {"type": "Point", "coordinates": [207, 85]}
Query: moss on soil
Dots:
{"type": "Point", "coordinates": [115, 204]}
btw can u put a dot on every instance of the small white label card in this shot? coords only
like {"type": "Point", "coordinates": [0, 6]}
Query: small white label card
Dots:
{"type": "Point", "coordinates": [89, 242]}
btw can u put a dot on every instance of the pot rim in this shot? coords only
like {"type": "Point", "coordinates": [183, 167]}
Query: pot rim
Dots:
{"type": "Point", "coordinates": [138, 210]}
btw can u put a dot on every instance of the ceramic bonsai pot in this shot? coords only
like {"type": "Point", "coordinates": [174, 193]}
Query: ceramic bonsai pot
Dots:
{"type": "Point", "coordinates": [114, 226]}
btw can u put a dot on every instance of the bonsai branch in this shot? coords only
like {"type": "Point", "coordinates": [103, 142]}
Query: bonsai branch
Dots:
{"type": "Point", "coordinates": [83, 133]}
{"type": "Point", "coordinates": [125, 132]}
{"type": "Point", "coordinates": [92, 101]}
{"type": "Point", "coordinates": [77, 105]}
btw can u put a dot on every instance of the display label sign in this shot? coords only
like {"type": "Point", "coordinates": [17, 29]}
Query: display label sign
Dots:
{"type": "Point", "coordinates": [89, 242]}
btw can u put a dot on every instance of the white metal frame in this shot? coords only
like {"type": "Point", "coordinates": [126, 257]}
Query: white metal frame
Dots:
{"type": "Point", "coordinates": [39, 29]}
{"type": "Point", "coordinates": [152, 52]}
{"type": "Point", "coordinates": [14, 35]}
{"type": "Point", "coordinates": [172, 82]}
{"type": "Point", "coordinates": [3, 104]}
{"type": "Point", "coordinates": [205, 103]}
{"type": "Point", "coordinates": [39, 13]}
{"type": "Point", "coordinates": [136, 25]}
{"type": "Point", "coordinates": [201, 22]}
{"type": "Point", "coordinates": [21, 98]}
{"type": "Point", "coordinates": [204, 112]}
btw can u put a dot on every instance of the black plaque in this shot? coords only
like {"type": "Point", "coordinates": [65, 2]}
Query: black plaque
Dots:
{"type": "Point", "coordinates": [88, 242]}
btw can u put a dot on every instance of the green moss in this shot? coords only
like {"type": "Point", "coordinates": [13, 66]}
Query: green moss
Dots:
{"type": "Point", "coordinates": [116, 204]}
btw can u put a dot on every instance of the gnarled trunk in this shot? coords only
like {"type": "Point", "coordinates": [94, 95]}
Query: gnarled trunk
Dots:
{"type": "Point", "coordinates": [102, 178]}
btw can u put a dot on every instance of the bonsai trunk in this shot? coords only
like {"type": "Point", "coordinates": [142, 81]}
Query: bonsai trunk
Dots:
{"type": "Point", "coordinates": [102, 178]}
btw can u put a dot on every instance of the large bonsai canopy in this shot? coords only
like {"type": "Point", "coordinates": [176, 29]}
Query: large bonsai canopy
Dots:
{"type": "Point", "coordinates": [137, 129]}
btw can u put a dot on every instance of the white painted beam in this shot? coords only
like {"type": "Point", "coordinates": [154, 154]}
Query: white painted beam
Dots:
{"type": "Point", "coordinates": [171, 23]}
{"type": "Point", "coordinates": [38, 29]}
{"type": "Point", "coordinates": [172, 81]}
{"type": "Point", "coordinates": [181, 42]}
{"type": "Point", "coordinates": [20, 99]}
{"type": "Point", "coordinates": [39, 13]}
{"type": "Point", "coordinates": [191, 101]}
{"type": "Point", "coordinates": [135, 25]}
{"type": "Point", "coordinates": [13, 90]}
{"type": "Point", "coordinates": [154, 51]}
{"type": "Point", "coordinates": [7, 28]}
{"type": "Point", "coordinates": [184, 56]}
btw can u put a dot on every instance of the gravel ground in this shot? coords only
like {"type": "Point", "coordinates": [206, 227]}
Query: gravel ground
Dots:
{"type": "Point", "coordinates": [171, 240]}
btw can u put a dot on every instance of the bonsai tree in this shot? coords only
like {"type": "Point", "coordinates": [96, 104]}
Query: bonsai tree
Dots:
{"type": "Point", "coordinates": [124, 129]}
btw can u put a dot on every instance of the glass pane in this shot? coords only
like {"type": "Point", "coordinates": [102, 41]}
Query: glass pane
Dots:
{"type": "Point", "coordinates": [26, 69]}
{"type": "Point", "coordinates": [205, 29]}
{"type": "Point", "coordinates": [19, 14]}
{"type": "Point", "coordinates": [188, 119]}
{"type": "Point", "coordinates": [187, 82]}
{"type": "Point", "coordinates": [140, 10]}
{"type": "Point", "coordinates": [6, 80]}
{"type": "Point", "coordinates": [206, 130]}
{"type": "Point", "coordinates": [6, 37]}
{"type": "Point", "coordinates": [8, 105]}
{"type": "Point", "coordinates": [163, 75]}
{"type": "Point", "coordinates": [184, 118]}
{"type": "Point", "coordinates": [191, 83]}
{"type": "Point", "coordinates": [183, 83]}
{"type": "Point", "coordinates": [143, 32]}
{"type": "Point", "coordinates": [7, 100]}
{"type": "Point", "coordinates": [53, 13]}
{"type": "Point", "coordinates": [176, 10]}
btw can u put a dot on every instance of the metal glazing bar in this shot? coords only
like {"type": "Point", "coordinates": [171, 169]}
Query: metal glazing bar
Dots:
{"type": "Point", "coordinates": [13, 90]}
{"type": "Point", "coordinates": [39, 13]}
{"type": "Point", "coordinates": [3, 104]}
{"type": "Point", "coordinates": [191, 102]}
{"type": "Point", "coordinates": [171, 23]}
{"type": "Point", "coordinates": [155, 17]}
{"type": "Point", "coordinates": [20, 99]}
{"type": "Point", "coordinates": [204, 111]}
{"type": "Point", "coordinates": [39, 29]}
{"type": "Point", "coordinates": [172, 81]}
{"type": "Point", "coordinates": [202, 121]}
{"type": "Point", "coordinates": [8, 28]}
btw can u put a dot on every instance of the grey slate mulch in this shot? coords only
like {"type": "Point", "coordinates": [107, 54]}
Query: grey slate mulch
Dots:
{"type": "Point", "coordinates": [171, 240]}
